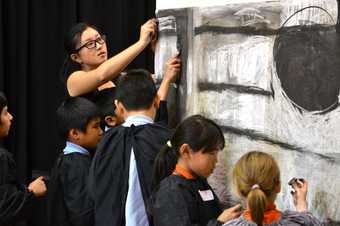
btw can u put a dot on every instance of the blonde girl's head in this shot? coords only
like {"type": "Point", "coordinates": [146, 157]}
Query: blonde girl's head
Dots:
{"type": "Point", "coordinates": [256, 176]}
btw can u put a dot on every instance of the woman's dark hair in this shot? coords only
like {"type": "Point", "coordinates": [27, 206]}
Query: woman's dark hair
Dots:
{"type": "Point", "coordinates": [199, 133]}
{"type": "Point", "coordinates": [71, 39]}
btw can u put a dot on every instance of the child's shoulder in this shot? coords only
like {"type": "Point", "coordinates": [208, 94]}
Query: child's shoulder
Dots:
{"type": "Point", "coordinates": [174, 182]}
{"type": "Point", "coordinates": [290, 217]}
{"type": "Point", "coordinates": [173, 187]}
{"type": "Point", "coordinates": [75, 160]}
{"type": "Point", "coordinates": [240, 221]}
{"type": "Point", "coordinates": [145, 130]}
{"type": "Point", "coordinates": [157, 129]}
{"type": "Point", "coordinates": [76, 155]}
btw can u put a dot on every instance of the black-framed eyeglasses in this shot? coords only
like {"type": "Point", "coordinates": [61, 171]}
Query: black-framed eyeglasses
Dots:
{"type": "Point", "coordinates": [93, 43]}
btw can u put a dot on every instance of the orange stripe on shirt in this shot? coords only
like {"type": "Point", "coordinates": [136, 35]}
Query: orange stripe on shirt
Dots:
{"type": "Point", "coordinates": [183, 172]}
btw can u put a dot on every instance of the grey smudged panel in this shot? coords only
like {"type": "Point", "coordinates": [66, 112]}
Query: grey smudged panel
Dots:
{"type": "Point", "coordinates": [231, 73]}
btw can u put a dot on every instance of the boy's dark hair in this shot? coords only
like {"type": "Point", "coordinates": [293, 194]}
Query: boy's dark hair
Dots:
{"type": "Point", "coordinates": [3, 102]}
{"type": "Point", "coordinates": [136, 90]}
{"type": "Point", "coordinates": [105, 102]}
{"type": "Point", "coordinates": [75, 113]}
{"type": "Point", "coordinates": [199, 133]}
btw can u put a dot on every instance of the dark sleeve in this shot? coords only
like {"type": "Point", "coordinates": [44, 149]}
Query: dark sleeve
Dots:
{"type": "Point", "coordinates": [302, 218]}
{"type": "Point", "coordinates": [162, 113]}
{"type": "Point", "coordinates": [214, 222]}
{"type": "Point", "coordinates": [16, 202]}
{"type": "Point", "coordinates": [170, 208]}
{"type": "Point", "coordinates": [74, 177]}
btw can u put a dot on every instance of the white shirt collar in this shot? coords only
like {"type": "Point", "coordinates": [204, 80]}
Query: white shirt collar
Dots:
{"type": "Point", "coordinates": [74, 148]}
{"type": "Point", "coordinates": [137, 120]}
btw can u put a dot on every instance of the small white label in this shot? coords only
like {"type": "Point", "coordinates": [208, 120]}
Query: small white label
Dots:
{"type": "Point", "coordinates": [206, 195]}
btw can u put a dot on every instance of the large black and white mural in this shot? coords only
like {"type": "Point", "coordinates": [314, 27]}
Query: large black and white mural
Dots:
{"type": "Point", "coordinates": [269, 73]}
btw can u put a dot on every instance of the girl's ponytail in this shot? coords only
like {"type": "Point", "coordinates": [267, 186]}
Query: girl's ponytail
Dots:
{"type": "Point", "coordinates": [257, 201]}
{"type": "Point", "coordinates": [164, 165]}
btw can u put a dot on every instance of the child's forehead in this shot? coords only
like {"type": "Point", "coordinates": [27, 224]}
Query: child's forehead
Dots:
{"type": "Point", "coordinates": [94, 120]}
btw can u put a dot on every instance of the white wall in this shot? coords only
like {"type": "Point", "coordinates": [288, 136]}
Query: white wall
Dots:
{"type": "Point", "coordinates": [170, 4]}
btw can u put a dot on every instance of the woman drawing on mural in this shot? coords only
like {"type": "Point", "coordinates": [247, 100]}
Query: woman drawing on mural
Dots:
{"type": "Point", "coordinates": [87, 69]}
{"type": "Point", "coordinates": [182, 195]}
{"type": "Point", "coordinates": [256, 176]}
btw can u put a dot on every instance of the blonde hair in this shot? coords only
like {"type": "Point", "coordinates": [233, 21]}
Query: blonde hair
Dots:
{"type": "Point", "coordinates": [256, 175]}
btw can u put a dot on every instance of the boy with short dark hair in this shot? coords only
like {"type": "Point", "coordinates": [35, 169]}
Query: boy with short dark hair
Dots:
{"type": "Point", "coordinates": [78, 122]}
{"type": "Point", "coordinates": [120, 174]}
{"type": "Point", "coordinates": [16, 200]}
{"type": "Point", "coordinates": [105, 102]}
{"type": "Point", "coordinates": [104, 99]}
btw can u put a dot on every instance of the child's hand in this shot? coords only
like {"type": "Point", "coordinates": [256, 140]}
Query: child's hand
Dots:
{"type": "Point", "coordinates": [148, 31]}
{"type": "Point", "coordinates": [300, 195]}
{"type": "Point", "coordinates": [38, 187]}
{"type": "Point", "coordinates": [173, 66]}
{"type": "Point", "coordinates": [230, 213]}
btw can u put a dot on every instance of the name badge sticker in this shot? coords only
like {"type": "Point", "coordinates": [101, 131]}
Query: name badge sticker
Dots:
{"type": "Point", "coordinates": [206, 195]}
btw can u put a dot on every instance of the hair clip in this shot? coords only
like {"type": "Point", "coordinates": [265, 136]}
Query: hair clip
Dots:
{"type": "Point", "coordinates": [168, 143]}
{"type": "Point", "coordinates": [255, 186]}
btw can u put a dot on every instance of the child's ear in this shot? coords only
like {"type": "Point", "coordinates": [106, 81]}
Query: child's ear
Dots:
{"type": "Point", "coordinates": [111, 120]}
{"type": "Point", "coordinates": [74, 134]}
{"type": "Point", "coordinates": [75, 57]}
{"type": "Point", "coordinates": [184, 151]}
{"type": "Point", "coordinates": [120, 109]}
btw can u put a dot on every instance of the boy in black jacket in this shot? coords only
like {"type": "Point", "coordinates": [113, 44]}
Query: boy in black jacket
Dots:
{"type": "Point", "coordinates": [78, 121]}
{"type": "Point", "coordinates": [16, 200]}
{"type": "Point", "coordinates": [120, 174]}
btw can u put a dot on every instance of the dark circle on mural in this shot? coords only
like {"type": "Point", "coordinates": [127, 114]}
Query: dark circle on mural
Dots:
{"type": "Point", "coordinates": [307, 62]}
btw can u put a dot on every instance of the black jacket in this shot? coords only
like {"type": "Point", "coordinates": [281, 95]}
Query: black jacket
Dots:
{"type": "Point", "coordinates": [69, 203]}
{"type": "Point", "coordinates": [16, 202]}
{"type": "Point", "coordinates": [109, 173]}
{"type": "Point", "coordinates": [178, 202]}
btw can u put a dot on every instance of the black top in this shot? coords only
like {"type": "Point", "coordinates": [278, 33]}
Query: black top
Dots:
{"type": "Point", "coordinates": [109, 173]}
{"type": "Point", "coordinates": [16, 202]}
{"type": "Point", "coordinates": [68, 200]}
{"type": "Point", "coordinates": [91, 96]}
{"type": "Point", "coordinates": [178, 202]}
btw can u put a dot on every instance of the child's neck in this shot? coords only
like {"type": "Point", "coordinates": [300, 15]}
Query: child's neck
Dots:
{"type": "Point", "coordinates": [3, 135]}
{"type": "Point", "coordinates": [149, 113]}
{"type": "Point", "coordinates": [182, 164]}
{"type": "Point", "coordinates": [76, 142]}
